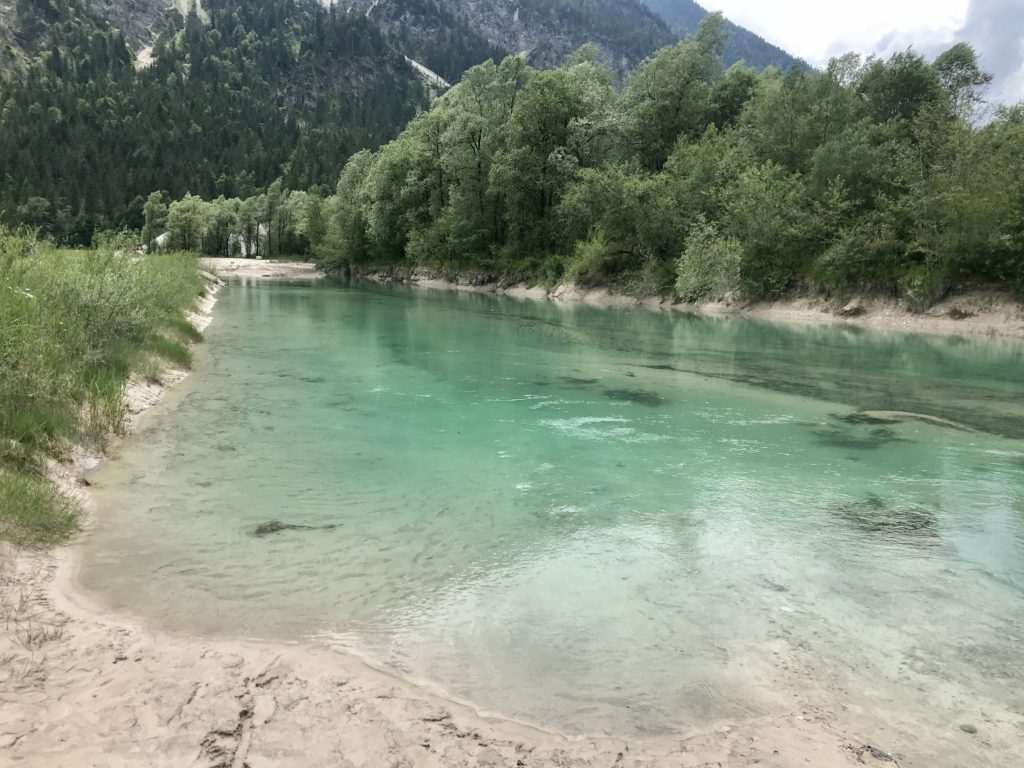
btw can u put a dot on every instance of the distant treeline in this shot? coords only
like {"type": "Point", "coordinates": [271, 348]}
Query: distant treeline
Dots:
{"type": "Point", "coordinates": [869, 176]}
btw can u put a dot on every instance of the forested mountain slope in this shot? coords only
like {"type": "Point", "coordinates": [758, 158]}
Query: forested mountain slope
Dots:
{"type": "Point", "coordinates": [260, 90]}
{"type": "Point", "coordinates": [684, 16]}
{"type": "Point", "coordinates": [105, 101]}
{"type": "Point", "coordinates": [448, 36]}
{"type": "Point", "coordinates": [24, 24]}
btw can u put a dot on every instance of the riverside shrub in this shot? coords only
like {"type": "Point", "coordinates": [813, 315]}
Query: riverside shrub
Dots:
{"type": "Point", "coordinates": [710, 265]}
{"type": "Point", "coordinates": [76, 325]}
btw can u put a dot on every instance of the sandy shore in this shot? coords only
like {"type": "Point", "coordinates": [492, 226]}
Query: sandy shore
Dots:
{"type": "Point", "coordinates": [977, 313]}
{"type": "Point", "coordinates": [82, 687]}
{"type": "Point", "coordinates": [258, 268]}
{"type": "Point", "coordinates": [105, 692]}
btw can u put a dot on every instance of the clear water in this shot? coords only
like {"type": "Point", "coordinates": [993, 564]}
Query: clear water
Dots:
{"type": "Point", "coordinates": [599, 520]}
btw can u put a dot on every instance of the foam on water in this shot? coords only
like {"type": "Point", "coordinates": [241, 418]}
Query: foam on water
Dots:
{"type": "Point", "coordinates": [691, 529]}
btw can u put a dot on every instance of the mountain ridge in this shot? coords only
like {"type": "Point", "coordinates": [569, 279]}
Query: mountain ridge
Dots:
{"type": "Point", "coordinates": [684, 16]}
{"type": "Point", "coordinates": [447, 36]}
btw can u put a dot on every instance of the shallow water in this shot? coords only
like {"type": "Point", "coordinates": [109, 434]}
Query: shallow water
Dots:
{"type": "Point", "coordinates": [598, 520]}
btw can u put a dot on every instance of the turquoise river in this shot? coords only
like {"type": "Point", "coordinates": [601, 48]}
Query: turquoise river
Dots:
{"type": "Point", "coordinates": [600, 520]}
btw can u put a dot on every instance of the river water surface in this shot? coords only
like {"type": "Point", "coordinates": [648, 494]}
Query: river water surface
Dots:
{"type": "Point", "coordinates": [595, 519]}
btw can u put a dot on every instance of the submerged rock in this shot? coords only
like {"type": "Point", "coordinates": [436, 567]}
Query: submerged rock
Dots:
{"type": "Point", "coordinates": [636, 396]}
{"type": "Point", "coordinates": [276, 526]}
{"type": "Point", "coordinates": [874, 515]}
{"type": "Point", "coordinates": [862, 417]}
{"type": "Point", "coordinates": [839, 438]}
{"type": "Point", "coordinates": [774, 587]}
{"type": "Point", "coordinates": [936, 421]}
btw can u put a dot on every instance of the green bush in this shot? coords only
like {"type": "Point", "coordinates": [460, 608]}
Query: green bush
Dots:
{"type": "Point", "coordinates": [866, 257]}
{"type": "Point", "coordinates": [33, 512]}
{"type": "Point", "coordinates": [923, 285]}
{"type": "Point", "coordinates": [710, 265]}
{"type": "Point", "coordinates": [598, 261]}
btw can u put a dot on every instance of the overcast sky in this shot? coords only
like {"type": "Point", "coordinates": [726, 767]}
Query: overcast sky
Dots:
{"type": "Point", "coordinates": [817, 30]}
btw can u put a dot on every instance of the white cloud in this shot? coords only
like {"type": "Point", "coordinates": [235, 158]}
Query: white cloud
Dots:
{"type": "Point", "coordinates": [994, 27]}
{"type": "Point", "coordinates": [817, 31]}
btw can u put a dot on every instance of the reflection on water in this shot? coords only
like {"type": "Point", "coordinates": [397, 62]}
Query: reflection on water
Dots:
{"type": "Point", "coordinates": [603, 520]}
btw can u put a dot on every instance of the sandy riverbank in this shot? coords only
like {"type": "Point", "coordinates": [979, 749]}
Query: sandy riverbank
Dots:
{"type": "Point", "coordinates": [258, 268]}
{"type": "Point", "coordinates": [976, 313]}
{"type": "Point", "coordinates": [82, 687]}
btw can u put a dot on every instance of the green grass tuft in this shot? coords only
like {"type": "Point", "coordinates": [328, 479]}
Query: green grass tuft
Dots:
{"type": "Point", "coordinates": [170, 350]}
{"type": "Point", "coordinates": [74, 325]}
{"type": "Point", "coordinates": [185, 330]}
{"type": "Point", "coordinates": [33, 512]}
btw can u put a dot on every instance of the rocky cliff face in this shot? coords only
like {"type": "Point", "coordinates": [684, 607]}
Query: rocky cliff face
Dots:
{"type": "Point", "coordinates": [140, 20]}
{"type": "Point", "coordinates": [626, 31]}
{"type": "Point", "coordinates": [24, 23]}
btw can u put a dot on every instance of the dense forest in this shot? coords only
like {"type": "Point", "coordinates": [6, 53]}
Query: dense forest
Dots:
{"type": "Point", "coordinates": [868, 176]}
{"type": "Point", "coordinates": [236, 93]}
{"type": "Point", "coordinates": [286, 87]}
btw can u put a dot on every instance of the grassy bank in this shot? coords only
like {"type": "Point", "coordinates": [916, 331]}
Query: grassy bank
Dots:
{"type": "Point", "coordinates": [75, 326]}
